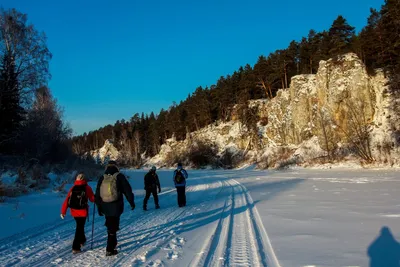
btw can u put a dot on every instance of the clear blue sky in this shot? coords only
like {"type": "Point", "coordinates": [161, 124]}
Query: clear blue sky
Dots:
{"type": "Point", "coordinates": [114, 58]}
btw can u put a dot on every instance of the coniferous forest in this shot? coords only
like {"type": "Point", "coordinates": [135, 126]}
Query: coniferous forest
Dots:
{"type": "Point", "coordinates": [28, 110]}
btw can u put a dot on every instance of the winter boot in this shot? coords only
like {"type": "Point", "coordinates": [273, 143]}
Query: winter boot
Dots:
{"type": "Point", "coordinates": [144, 208]}
{"type": "Point", "coordinates": [157, 206]}
{"type": "Point", "coordinates": [111, 253]}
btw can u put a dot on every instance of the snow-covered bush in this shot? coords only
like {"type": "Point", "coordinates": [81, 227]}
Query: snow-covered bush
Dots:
{"type": "Point", "coordinates": [174, 156]}
{"type": "Point", "coordinates": [22, 177]}
{"type": "Point", "coordinates": [231, 159]}
{"type": "Point", "coordinates": [357, 134]}
{"type": "Point", "coordinates": [11, 191]}
{"type": "Point", "coordinates": [39, 177]}
{"type": "Point", "coordinates": [277, 157]}
{"type": "Point", "coordinates": [202, 153]}
{"type": "Point", "coordinates": [85, 165]}
{"type": "Point", "coordinates": [61, 188]}
{"type": "Point", "coordinates": [286, 163]}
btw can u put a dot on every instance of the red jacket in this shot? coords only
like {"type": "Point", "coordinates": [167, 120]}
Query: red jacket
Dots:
{"type": "Point", "coordinates": [78, 213]}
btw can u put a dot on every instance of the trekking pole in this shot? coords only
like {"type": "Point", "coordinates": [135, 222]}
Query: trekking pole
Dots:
{"type": "Point", "coordinates": [94, 209]}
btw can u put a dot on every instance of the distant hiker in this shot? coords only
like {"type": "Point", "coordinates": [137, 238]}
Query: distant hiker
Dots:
{"type": "Point", "coordinates": [77, 201]}
{"type": "Point", "coordinates": [110, 202]}
{"type": "Point", "coordinates": [151, 183]}
{"type": "Point", "coordinates": [180, 176]}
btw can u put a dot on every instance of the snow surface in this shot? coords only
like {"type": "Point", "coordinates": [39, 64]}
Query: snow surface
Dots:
{"type": "Point", "coordinates": [244, 217]}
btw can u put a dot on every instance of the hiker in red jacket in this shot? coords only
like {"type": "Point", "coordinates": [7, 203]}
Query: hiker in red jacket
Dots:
{"type": "Point", "coordinates": [77, 200]}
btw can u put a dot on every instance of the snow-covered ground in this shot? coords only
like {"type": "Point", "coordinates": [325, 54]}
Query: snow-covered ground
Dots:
{"type": "Point", "coordinates": [233, 218]}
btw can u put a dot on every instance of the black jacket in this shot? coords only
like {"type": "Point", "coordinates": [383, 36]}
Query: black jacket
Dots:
{"type": "Point", "coordinates": [151, 181]}
{"type": "Point", "coordinates": [115, 208]}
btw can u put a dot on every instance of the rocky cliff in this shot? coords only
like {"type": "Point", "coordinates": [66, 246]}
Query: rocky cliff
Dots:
{"type": "Point", "coordinates": [339, 105]}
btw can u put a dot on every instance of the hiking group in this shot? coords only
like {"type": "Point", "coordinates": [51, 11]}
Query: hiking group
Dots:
{"type": "Point", "coordinates": [111, 187]}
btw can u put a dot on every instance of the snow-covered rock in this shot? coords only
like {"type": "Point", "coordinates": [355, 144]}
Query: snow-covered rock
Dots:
{"type": "Point", "coordinates": [107, 152]}
{"type": "Point", "coordinates": [385, 133]}
{"type": "Point", "coordinates": [225, 136]}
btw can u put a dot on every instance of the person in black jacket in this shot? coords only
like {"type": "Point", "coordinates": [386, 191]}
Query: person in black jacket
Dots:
{"type": "Point", "coordinates": [109, 200]}
{"type": "Point", "coordinates": [180, 176]}
{"type": "Point", "coordinates": [151, 183]}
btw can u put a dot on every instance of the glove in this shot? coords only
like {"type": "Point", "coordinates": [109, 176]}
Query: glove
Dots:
{"type": "Point", "coordinates": [62, 216]}
{"type": "Point", "coordinates": [100, 213]}
{"type": "Point", "coordinates": [133, 206]}
{"type": "Point", "coordinates": [159, 190]}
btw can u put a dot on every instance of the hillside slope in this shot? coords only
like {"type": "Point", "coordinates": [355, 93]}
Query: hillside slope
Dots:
{"type": "Point", "coordinates": [336, 114]}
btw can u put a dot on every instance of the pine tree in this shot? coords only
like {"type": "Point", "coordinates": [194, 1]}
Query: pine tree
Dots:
{"type": "Point", "coordinates": [371, 41]}
{"type": "Point", "coordinates": [247, 84]}
{"type": "Point", "coordinates": [23, 68]}
{"type": "Point", "coordinates": [264, 76]}
{"type": "Point", "coordinates": [390, 19]}
{"type": "Point", "coordinates": [340, 37]}
{"type": "Point", "coordinates": [293, 62]}
{"type": "Point", "coordinates": [11, 111]}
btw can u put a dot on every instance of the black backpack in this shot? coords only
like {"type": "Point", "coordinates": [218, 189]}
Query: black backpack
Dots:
{"type": "Point", "coordinates": [179, 178]}
{"type": "Point", "coordinates": [78, 199]}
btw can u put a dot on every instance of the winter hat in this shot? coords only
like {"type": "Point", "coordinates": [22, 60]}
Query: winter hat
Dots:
{"type": "Point", "coordinates": [80, 177]}
{"type": "Point", "coordinates": [112, 162]}
{"type": "Point", "coordinates": [153, 168]}
{"type": "Point", "coordinates": [179, 165]}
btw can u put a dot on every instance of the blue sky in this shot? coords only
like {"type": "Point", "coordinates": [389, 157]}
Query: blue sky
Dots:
{"type": "Point", "coordinates": [112, 59]}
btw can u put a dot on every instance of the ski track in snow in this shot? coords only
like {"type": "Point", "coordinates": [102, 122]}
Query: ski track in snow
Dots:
{"type": "Point", "coordinates": [240, 238]}
{"type": "Point", "coordinates": [237, 238]}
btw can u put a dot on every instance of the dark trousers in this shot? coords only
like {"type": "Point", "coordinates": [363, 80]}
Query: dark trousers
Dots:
{"type": "Point", "coordinates": [148, 193]}
{"type": "Point", "coordinates": [80, 237]}
{"type": "Point", "coordinates": [181, 195]}
{"type": "Point", "coordinates": [112, 224]}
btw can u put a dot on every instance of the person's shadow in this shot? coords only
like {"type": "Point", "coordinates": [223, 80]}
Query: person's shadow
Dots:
{"type": "Point", "coordinates": [384, 250]}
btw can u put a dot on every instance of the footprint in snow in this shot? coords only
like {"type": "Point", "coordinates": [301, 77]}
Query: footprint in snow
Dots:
{"type": "Point", "coordinates": [157, 263]}
{"type": "Point", "coordinates": [172, 246]}
{"type": "Point", "coordinates": [173, 255]}
{"type": "Point", "coordinates": [140, 258]}
{"type": "Point", "coordinates": [179, 240]}
{"type": "Point", "coordinates": [57, 261]}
